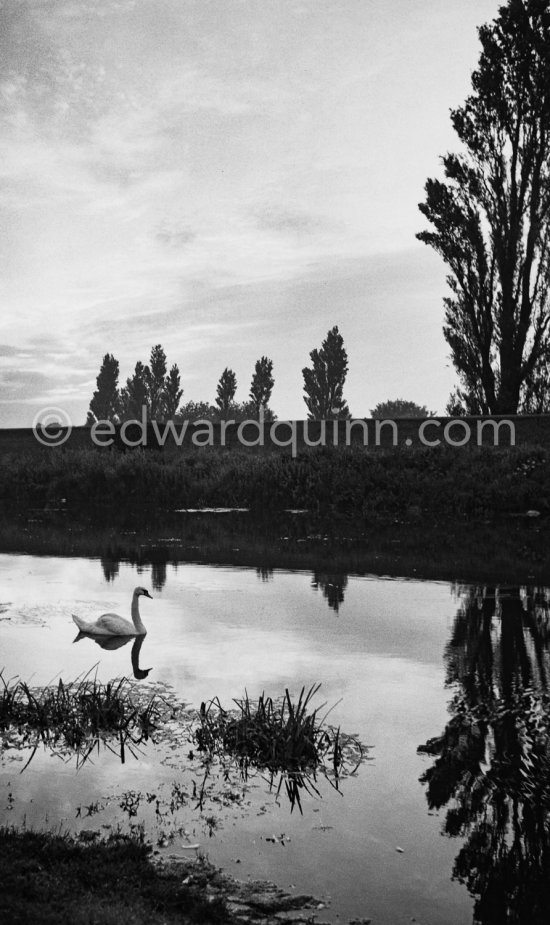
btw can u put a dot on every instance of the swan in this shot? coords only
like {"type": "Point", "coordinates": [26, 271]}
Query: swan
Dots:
{"type": "Point", "coordinates": [110, 624]}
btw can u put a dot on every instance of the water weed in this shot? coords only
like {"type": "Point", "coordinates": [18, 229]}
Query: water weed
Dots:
{"type": "Point", "coordinates": [284, 739]}
{"type": "Point", "coordinates": [74, 718]}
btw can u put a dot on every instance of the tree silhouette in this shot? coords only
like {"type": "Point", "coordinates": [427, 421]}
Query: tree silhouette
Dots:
{"type": "Point", "coordinates": [197, 410]}
{"type": "Point", "coordinates": [172, 392]}
{"type": "Point", "coordinates": [400, 409]}
{"type": "Point", "coordinates": [261, 387]}
{"type": "Point", "coordinates": [106, 403]}
{"type": "Point", "coordinates": [225, 391]}
{"type": "Point", "coordinates": [333, 585]}
{"type": "Point", "coordinates": [135, 395]}
{"type": "Point", "coordinates": [492, 217]}
{"type": "Point", "coordinates": [156, 382]}
{"type": "Point", "coordinates": [324, 382]}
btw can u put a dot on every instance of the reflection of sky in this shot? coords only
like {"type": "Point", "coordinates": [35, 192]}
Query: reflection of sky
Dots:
{"type": "Point", "coordinates": [219, 626]}
{"type": "Point", "coordinates": [216, 631]}
{"type": "Point", "coordinates": [210, 174]}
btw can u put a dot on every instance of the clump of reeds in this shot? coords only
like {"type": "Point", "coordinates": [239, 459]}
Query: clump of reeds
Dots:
{"type": "Point", "coordinates": [74, 717]}
{"type": "Point", "coordinates": [284, 737]}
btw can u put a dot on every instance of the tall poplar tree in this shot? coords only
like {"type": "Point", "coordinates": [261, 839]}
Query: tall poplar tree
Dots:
{"type": "Point", "coordinates": [261, 386]}
{"type": "Point", "coordinates": [324, 381]}
{"type": "Point", "coordinates": [225, 391]}
{"type": "Point", "coordinates": [156, 382]}
{"type": "Point", "coordinates": [135, 395]}
{"type": "Point", "coordinates": [491, 218]}
{"type": "Point", "coordinates": [172, 393]}
{"type": "Point", "coordinates": [106, 403]}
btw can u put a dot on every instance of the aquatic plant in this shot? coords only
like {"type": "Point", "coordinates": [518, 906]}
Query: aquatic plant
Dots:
{"type": "Point", "coordinates": [284, 738]}
{"type": "Point", "coordinates": [76, 717]}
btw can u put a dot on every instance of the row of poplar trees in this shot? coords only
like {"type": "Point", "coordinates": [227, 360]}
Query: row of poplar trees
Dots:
{"type": "Point", "coordinates": [158, 390]}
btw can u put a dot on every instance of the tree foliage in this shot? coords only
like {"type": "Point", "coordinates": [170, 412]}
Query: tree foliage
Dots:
{"type": "Point", "coordinates": [400, 408]}
{"type": "Point", "coordinates": [105, 404]}
{"type": "Point", "coordinates": [491, 219]}
{"type": "Point", "coordinates": [172, 392]}
{"type": "Point", "coordinates": [149, 387]}
{"type": "Point", "coordinates": [156, 383]}
{"type": "Point", "coordinates": [225, 391]}
{"type": "Point", "coordinates": [261, 386]}
{"type": "Point", "coordinates": [135, 394]}
{"type": "Point", "coordinates": [324, 381]}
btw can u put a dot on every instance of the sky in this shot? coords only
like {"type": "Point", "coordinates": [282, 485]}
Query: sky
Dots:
{"type": "Point", "coordinates": [230, 179]}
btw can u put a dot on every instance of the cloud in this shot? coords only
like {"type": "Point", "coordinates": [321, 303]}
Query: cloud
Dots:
{"type": "Point", "coordinates": [24, 385]}
{"type": "Point", "coordinates": [277, 218]}
{"type": "Point", "coordinates": [175, 237]}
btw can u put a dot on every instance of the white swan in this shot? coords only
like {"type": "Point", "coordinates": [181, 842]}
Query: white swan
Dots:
{"type": "Point", "coordinates": [110, 624]}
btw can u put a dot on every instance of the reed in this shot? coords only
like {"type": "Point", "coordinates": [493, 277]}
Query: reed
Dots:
{"type": "Point", "coordinates": [284, 738]}
{"type": "Point", "coordinates": [75, 718]}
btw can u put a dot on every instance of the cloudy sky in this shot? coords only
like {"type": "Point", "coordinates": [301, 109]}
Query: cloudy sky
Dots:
{"type": "Point", "coordinates": [229, 178]}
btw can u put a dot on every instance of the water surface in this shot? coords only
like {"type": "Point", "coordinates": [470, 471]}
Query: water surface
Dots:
{"type": "Point", "coordinates": [390, 654]}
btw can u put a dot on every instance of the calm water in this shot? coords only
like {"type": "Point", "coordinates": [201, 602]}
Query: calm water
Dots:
{"type": "Point", "coordinates": [391, 654]}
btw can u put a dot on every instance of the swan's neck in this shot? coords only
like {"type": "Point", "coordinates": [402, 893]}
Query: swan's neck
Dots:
{"type": "Point", "coordinates": [135, 615]}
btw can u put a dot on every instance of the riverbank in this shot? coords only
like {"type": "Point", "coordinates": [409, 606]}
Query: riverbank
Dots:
{"type": "Point", "coordinates": [367, 487]}
{"type": "Point", "coordinates": [52, 879]}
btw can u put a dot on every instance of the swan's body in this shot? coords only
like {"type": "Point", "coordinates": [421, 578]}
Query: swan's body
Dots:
{"type": "Point", "coordinates": [110, 624]}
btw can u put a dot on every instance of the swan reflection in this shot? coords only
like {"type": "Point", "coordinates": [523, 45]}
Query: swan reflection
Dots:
{"type": "Point", "coordinates": [116, 642]}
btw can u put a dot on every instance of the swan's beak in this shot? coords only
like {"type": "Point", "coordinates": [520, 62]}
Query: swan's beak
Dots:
{"type": "Point", "coordinates": [148, 595]}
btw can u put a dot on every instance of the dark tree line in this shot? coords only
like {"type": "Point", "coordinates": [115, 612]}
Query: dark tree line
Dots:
{"type": "Point", "coordinates": [152, 387]}
{"type": "Point", "coordinates": [491, 220]}
{"type": "Point", "coordinates": [158, 390]}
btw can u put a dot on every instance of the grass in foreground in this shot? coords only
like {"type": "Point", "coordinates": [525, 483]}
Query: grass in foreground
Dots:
{"type": "Point", "coordinates": [284, 738]}
{"type": "Point", "coordinates": [50, 879]}
{"type": "Point", "coordinates": [74, 717]}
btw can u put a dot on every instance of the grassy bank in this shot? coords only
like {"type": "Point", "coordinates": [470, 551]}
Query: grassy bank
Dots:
{"type": "Point", "coordinates": [49, 879]}
{"type": "Point", "coordinates": [55, 880]}
{"type": "Point", "coordinates": [368, 486]}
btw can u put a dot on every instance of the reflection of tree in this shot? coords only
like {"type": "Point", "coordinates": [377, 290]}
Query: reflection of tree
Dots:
{"type": "Point", "coordinates": [155, 556]}
{"type": "Point", "coordinates": [158, 574]}
{"type": "Point", "coordinates": [110, 567]}
{"type": "Point", "coordinates": [333, 586]}
{"type": "Point", "coordinates": [264, 573]}
{"type": "Point", "coordinates": [492, 763]}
